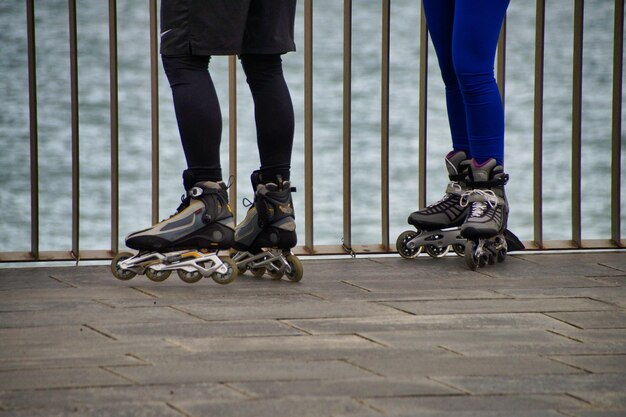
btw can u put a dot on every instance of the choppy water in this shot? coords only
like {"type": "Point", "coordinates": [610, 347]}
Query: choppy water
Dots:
{"type": "Point", "coordinates": [134, 95]}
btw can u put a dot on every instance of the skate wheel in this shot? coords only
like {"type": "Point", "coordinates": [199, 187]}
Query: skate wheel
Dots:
{"type": "Point", "coordinates": [401, 247]}
{"type": "Point", "coordinates": [190, 277]}
{"type": "Point", "coordinates": [258, 272]}
{"type": "Point", "coordinates": [157, 276]}
{"type": "Point", "coordinates": [436, 252]}
{"type": "Point", "coordinates": [491, 259]}
{"type": "Point", "coordinates": [470, 256]}
{"type": "Point", "coordinates": [459, 249]}
{"type": "Point", "coordinates": [501, 255]}
{"type": "Point", "coordinates": [295, 271]}
{"type": "Point", "coordinates": [231, 272]}
{"type": "Point", "coordinates": [119, 273]}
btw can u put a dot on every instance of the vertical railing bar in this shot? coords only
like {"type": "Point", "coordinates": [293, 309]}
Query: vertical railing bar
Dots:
{"type": "Point", "coordinates": [577, 121]}
{"type": "Point", "coordinates": [74, 129]}
{"type": "Point", "coordinates": [540, 22]}
{"type": "Point", "coordinates": [232, 132]}
{"type": "Point", "coordinates": [347, 123]}
{"type": "Point", "coordinates": [423, 110]}
{"type": "Point", "coordinates": [308, 126]}
{"type": "Point", "coordinates": [154, 89]}
{"type": "Point", "coordinates": [384, 123]}
{"type": "Point", "coordinates": [501, 59]}
{"type": "Point", "coordinates": [33, 124]}
{"type": "Point", "coordinates": [616, 127]}
{"type": "Point", "coordinates": [113, 76]}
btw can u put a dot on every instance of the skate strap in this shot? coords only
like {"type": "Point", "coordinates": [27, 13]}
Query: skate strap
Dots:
{"type": "Point", "coordinates": [458, 177]}
{"type": "Point", "coordinates": [489, 183]}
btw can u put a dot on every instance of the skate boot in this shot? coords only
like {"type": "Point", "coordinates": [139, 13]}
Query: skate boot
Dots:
{"type": "Point", "coordinates": [188, 242]}
{"type": "Point", "coordinates": [485, 225]}
{"type": "Point", "coordinates": [438, 225]}
{"type": "Point", "coordinates": [264, 239]}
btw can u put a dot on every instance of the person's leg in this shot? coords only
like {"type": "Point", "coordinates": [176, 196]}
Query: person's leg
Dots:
{"type": "Point", "coordinates": [273, 112]}
{"type": "Point", "coordinates": [477, 25]}
{"type": "Point", "coordinates": [198, 115]}
{"type": "Point", "coordinates": [440, 20]}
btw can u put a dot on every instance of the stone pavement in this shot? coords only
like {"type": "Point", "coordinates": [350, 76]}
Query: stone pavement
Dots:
{"type": "Point", "coordinates": [543, 335]}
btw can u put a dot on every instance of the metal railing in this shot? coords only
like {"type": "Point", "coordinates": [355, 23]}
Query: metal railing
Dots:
{"type": "Point", "coordinates": [309, 247]}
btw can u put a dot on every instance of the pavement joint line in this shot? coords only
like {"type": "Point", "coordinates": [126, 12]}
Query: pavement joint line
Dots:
{"type": "Point", "coordinates": [178, 410]}
{"type": "Point", "coordinates": [605, 302]}
{"type": "Point", "coordinates": [562, 321]}
{"type": "Point", "coordinates": [450, 350]}
{"type": "Point", "coordinates": [319, 297]}
{"type": "Point", "coordinates": [103, 303]}
{"type": "Point", "coordinates": [356, 365]}
{"type": "Point", "coordinates": [553, 359]}
{"type": "Point", "coordinates": [356, 286]}
{"type": "Point", "coordinates": [364, 403]}
{"type": "Point", "coordinates": [564, 335]}
{"type": "Point", "coordinates": [369, 339]}
{"type": "Point", "coordinates": [178, 344]}
{"type": "Point", "coordinates": [180, 310]}
{"type": "Point", "coordinates": [400, 309]}
{"type": "Point", "coordinates": [449, 385]}
{"type": "Point", "coordinates": [62, 281]}
{"type": "Point", "coordinates": [140, 359]}
{"type": "Point", "coordinates": [293, 326]}
{"type": "Point", "coordinates": [238, 390]}
{"type": "Point", "coordinates": [144, 292]}
{"type": "Point", "coordinates": [610, 267]}
{"type": "Point", "coordinates": [566, 413]}
{"type": "Point", "coordinates": [125, 378]}
{"type": "Point", "coordinates": [578, 398]}
{"type": "Point", "coordinates": [100, 332]}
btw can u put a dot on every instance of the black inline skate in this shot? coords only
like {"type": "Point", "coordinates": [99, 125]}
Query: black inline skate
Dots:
{"type": "Point", "coordinates": [188, 242]}
{"type": "Point", "coordinates": [438, 225]}
{"type": "Point", "coordinates": [485, 226]}
{"type": "Point", "coordinates": [263, 240]}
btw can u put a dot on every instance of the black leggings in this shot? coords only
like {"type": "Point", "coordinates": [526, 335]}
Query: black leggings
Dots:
{"type": "Point", "coordinates": [200, 119]}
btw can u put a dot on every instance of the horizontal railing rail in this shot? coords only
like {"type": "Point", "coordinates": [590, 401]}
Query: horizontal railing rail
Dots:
{"type": "Point", "coordinates": [76, 252]}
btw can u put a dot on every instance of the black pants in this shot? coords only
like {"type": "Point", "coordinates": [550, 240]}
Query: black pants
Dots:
{"type": "Point", "coordinates": [200, 120]}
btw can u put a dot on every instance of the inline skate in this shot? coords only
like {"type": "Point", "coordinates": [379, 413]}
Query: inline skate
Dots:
{"type": "Point", "coordinates": [188, 242]}
{"type": "Point", "coordinates": [263, 240]}
{"type": "Point", "coordinates": [438, 225]}
{"type": "Point", "coordinates": [485, 225]}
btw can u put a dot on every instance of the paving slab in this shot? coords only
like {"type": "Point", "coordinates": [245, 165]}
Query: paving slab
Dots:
{"type": "Point", "coordinates": [285, 406]}
{"type": "Point", "coordinates": [524, 405]}
{"type": "Point", "coordinates": [499, 306]}
{"type": "Point", "coordinates": [68, 398]}
{"type": "Point", "coordinates": [537, 384]}
{"type": "Point", "coordinates": [614, 319]}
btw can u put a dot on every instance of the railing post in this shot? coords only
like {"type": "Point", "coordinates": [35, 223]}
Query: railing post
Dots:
{"type": "Point", "coordinates": [384, 124]}
{"type": "Point", "coordinates": [74, 129]}
{"type": "Point", "coordinates": [154, 84]}
{"type": "Point", "coordinates": [347, 124]}
{"type": "Point", "coordinates": [33, 131]}
{"type": "Point", "coordinates": [423, 109]}
{"type": "Point", "coordinates": [616, 133]}
{"type": "Point", "coordinates": [577, 121]}
{"type": "Point", "coordinates": [540, 22]}
{"type": "Point", "coordinates": [114, 125]}
{"type": "Point", "coordinates": [232, 131]}
{"type": "Point", "coordinates": [308, 126]}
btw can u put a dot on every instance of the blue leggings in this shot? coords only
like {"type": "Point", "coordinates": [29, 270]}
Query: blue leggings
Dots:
{"type": "Point", "coordinates": [465, 35]}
